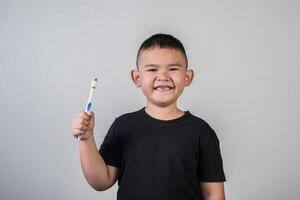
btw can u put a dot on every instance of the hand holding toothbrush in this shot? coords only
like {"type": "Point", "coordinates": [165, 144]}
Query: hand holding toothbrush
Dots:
{"type": "Point", "coordinates": [83, 123]}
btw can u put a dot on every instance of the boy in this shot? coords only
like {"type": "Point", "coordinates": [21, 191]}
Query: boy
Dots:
{"type": "Point", "coordinates": [159, 151]}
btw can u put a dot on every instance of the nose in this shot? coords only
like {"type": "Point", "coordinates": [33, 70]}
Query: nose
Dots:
{"type": "Point", "coordinates": [163, 76]}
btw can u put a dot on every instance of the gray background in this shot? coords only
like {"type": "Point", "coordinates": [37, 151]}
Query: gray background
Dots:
{"type": "Point", "coordinates": [246, 59]}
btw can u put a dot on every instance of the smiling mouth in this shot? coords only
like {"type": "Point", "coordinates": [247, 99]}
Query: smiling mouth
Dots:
{"type": "Point", "coordinates": [163, 88]}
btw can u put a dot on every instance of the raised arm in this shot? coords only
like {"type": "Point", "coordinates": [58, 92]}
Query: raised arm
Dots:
{"type": "Point", "coordinates": [99, 175]}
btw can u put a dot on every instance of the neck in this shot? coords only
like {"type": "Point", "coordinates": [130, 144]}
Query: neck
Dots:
{"type": "Point", "coordinates": [163, 112]}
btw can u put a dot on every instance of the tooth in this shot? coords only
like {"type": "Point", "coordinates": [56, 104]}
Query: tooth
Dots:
{"type": "Point", "coordinates": [163, 88]}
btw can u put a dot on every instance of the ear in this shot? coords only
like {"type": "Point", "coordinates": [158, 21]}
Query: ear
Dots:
{"type": "Point", "coordinates": [189, 77]}
{"type": "Point", "coordinates": [135, 77]}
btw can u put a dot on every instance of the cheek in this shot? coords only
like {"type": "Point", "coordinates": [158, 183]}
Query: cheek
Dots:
{"type": "Point", "coordinates": [147, 91]}
{"type": "Point", "coordinates": [179, 79]}
{"type": "Point", "coordinates": [147, 81]}
{"type": "Point", "coordinates": [146, 85]}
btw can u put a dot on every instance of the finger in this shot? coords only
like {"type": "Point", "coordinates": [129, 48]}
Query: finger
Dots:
{"type": "Point", "coordinates": [80, 120]}
{"type": "Point", "coordinates": [83, 115]}
{"type": "Point", "coordinates": [90, 113]}
{"type": "Point", "coordinates": [84, 121]}
{"type": "Point", "coordinates": [81, 127]}
{"type": "Point", "coordinates": [77, 132]}
{"type": "Point", "coordinates": [78, 124]}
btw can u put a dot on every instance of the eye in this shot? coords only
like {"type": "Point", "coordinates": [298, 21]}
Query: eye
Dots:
{"type": "Point", "coordinates": [173, 69]}
{"type": "Point", "coordinates": [151, 70]}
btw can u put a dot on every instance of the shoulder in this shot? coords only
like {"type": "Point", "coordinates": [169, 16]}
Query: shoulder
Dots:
{"type": "Point", "coordinates": [203, 127]}
{"type": "Point", "coordinates": [199, 122]}
{"type": "Point", "coordinates": [128, 116]}
{"type": "Point", "coordinates": [127, 119]}
{"type": "Point", "coordinates": [123, 122]}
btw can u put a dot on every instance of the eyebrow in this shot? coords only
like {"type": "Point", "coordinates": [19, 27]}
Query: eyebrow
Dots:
{"type": "Point", "coordinates": [155, 65]}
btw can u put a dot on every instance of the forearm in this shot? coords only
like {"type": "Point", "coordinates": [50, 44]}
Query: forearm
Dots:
{"type": "Point", "coordinates": [93, 165]}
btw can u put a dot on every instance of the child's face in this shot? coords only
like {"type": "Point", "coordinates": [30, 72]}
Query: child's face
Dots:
{"type": "Point", "coordinates": [162, 75]}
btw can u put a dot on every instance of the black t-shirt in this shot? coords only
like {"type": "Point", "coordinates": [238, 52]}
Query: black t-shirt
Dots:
{"type": "Point", "coordinates": [162, 159]}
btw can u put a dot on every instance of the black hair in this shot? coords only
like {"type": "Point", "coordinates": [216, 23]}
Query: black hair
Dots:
{"type": "Point", "coordinates": [162, 40]}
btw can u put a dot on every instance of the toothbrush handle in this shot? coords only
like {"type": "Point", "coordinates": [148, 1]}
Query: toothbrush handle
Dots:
{"type": "Point", "coordinates": [87, 108]}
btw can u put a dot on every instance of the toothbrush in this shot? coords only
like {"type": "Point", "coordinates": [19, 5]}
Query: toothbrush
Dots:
{"type": "Point", "coordinates": [89, 102]}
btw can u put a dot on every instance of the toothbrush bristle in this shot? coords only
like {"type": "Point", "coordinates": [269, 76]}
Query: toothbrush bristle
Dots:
{"type": "Point", "coordinates": [93, 84]}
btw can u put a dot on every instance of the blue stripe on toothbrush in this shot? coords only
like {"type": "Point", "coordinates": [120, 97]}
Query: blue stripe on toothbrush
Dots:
{"type": "Point", "coordinates": [88, 106]}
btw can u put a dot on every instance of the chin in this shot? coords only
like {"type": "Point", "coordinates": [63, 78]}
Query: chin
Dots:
{"type": "Point", "coordinates": [163, 103]}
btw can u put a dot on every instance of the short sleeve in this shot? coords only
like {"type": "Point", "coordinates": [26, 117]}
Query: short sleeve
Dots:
{"type": "Point", "coordinates": [110, 147]}
{"type": "Point", "coordinates": [210, 160]}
